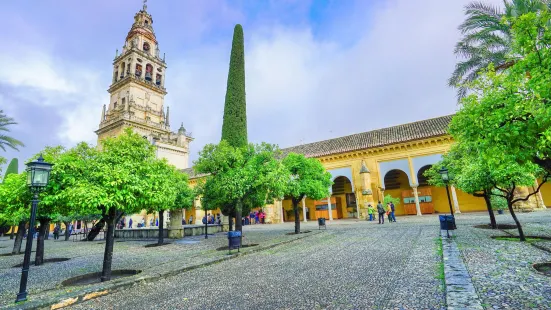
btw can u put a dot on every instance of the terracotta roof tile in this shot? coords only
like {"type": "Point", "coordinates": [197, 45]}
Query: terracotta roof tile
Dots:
{"type": "Point", "coordinates": [397, 134]}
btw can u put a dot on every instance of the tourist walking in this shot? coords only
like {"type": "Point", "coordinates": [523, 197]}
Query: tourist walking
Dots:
{"type": "Point", "coordinates": [388, 212]}
{"type": "Point", "coordinates": [392, 210]}
{"type": "Point", "coordinates": [130, 223]}
{"type": "Point", "coordinates": [370, 211]}
{"type": "Point", "coordinates": [56, 232]}
{"type": "Point", "coordinates": [381, 211]}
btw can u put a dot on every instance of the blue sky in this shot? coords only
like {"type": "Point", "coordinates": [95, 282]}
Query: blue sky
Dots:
{"type": "Point", "coordinates": [315, 69]}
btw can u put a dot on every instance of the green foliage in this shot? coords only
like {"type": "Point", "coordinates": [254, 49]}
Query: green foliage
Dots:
{"type": "Point", "coordinates": [389, 199]}
{"type": "Point", "coordinates": [307, 177]}
{"type": "Point", "coordinates": [15, 198]}
{"type": "Point", "coordinates": [168, 187]}
{"type": "Point", "coordinates": [508, 115]}
{"type": "Point", "coordinates": [234, 127]}
{"type": "Point", "coordinates": [117, 177]}
{"type": "Point", "coordinates": [498, 202]}
{"type": "Point", "coordinates": [487, 39]}
{"type": "Point", "coordinates": [248, 175]}
{"type": "Point", "coordinates": [13, 167]}
{"type": "Point", "coordinates": [5, 140]}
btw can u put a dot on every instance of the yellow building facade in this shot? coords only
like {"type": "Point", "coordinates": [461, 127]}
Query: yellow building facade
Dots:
{"type": "Point", "coordinates": [391, 161]}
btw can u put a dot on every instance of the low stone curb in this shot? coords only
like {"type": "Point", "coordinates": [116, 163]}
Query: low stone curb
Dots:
{"type": "Point", "coordinates": [72, 298]}
{"type": "Point", "coordinates": [460, 292]}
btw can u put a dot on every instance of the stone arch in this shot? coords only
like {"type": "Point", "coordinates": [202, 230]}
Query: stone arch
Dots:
{"type": "Point", "coordinates": [345, 199]}
{"type": "Point", "coordinates": [419, 162]}
{"type": "Point", "coordinates": [148, 72]}
{"type": "Point", "coordinates": [396, 179]}
{"type": "Point", "coordinates": [421, 179]}
{"type": "Point", "coordinates": [400, 164]}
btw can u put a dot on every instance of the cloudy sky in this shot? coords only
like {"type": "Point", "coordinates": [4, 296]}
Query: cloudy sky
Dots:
{"type": "Point", "coordinates": [315, 69]}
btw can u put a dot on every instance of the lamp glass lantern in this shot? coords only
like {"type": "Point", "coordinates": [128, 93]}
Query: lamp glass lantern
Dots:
{"type": "Point", "coordinates": [38, 173]}
{"type": "Point", "coordinates": [445, 175]}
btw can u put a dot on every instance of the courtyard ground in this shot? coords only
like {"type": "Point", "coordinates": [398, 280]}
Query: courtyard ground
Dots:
{"type": "Point", "coordinates": [352, 265]}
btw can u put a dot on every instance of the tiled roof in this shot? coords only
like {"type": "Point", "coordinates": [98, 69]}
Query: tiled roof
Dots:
{"type": "Point", "coordinates": [191, 173]}
{"type": "Point", "coordinates": [397, 134]}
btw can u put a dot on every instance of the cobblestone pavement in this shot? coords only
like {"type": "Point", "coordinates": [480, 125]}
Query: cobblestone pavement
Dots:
{"type": "Point", "coordinates": [501, 270]}
{"type": "Point", "coordinates": [87, 257]}
{"type": "Point", "coordinates": [352, 265]}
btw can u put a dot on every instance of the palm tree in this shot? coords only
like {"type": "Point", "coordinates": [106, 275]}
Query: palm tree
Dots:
{"type": "Point", "coordinates": [487, 39]}
{"type": "Point", "coordinates": [5, 140]}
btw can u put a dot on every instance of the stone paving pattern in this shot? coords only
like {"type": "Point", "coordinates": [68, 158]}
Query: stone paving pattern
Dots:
{"type": "Point", "coordinates": [87, 257]}
{"type": "Point", "coordinates": [501, 271]}
{"type": "Point", "coordinates": [352, 265]}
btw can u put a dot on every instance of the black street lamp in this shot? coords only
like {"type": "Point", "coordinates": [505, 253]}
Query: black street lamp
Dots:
{"type": "Point", "coordinates": [38, 173]}
{"type": "Point", "coordinates": [446, 179]}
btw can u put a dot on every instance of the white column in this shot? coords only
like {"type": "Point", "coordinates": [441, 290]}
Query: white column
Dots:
{"type": "Point", "coordinates": [357, 207]}
{"type": "Point", "coordinates": [455, 201]}
{"type": "Point", "coordinates": [304, 209]}
{"type": "Point", "coordinates": [329, 208]}
{"type": "Point", "coordinates": [281, 208]}
{"type": "Point", "coordinates": [417, 206]}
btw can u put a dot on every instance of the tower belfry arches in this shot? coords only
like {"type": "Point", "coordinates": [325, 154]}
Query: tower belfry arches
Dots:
{"type": "Point", "coordinates": [137, 94]}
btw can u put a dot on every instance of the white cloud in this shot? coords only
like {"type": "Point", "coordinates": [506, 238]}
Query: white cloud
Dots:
{"type": "Point", "coordinates": [299, 88]}
{"type": "Point", "coordinates": [73, 91]}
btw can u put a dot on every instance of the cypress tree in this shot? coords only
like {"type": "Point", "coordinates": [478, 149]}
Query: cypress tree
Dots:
{"type": "Point", "coordinates": [13, 167]}
{"type": "Point", "coordinates": [234, 127]}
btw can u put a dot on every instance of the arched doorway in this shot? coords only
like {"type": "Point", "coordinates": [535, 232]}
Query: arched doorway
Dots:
{"type": "Point", "coordinates": [345, 200]}
{"type": "Point", "coordinates": [396, 184]}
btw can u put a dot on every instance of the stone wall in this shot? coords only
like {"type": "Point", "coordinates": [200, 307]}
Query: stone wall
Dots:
{"type": "Point", "coordinates": [174, 233]}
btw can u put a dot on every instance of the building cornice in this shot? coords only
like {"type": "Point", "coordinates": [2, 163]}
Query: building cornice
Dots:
{"type": "Point", "coordinates": [388, 149]}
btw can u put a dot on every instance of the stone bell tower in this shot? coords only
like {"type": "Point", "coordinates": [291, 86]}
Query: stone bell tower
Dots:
{"type": "Point", "coordinates": [137, 95]}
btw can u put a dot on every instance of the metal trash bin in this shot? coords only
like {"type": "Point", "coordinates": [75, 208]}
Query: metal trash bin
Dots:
{"type": "Point", "coordinates": [447, 222]}
{"type": "Point", "coordinates": [234, 240]}
{"type": "Point", "coordinates": [321, 222]}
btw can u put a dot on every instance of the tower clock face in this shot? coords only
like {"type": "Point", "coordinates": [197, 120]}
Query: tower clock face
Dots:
{"type": "Point", "coordinates": [146, 46]}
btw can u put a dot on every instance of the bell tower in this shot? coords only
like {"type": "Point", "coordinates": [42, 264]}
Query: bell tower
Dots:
{"type": "Point", "coordinates": [137, 94]}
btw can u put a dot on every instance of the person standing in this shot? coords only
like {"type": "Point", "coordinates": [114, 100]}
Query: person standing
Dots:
{"type": "Point", "coordinates": [381, 211]}
{"type": "Point", "coordinates": [130, 223]}
{"type": "Point", "coordinates": [191, 219]}
{"type": "Point", "coordinates": [392, 210]}
{"type": "Point", "coordinates": [370, 211]}
{"type": "Point", "coordinates": [56, 232]}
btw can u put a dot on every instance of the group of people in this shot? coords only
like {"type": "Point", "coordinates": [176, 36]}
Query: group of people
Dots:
{"type": "Point", "coordinates": [210, 219]}
{"type": "Point", "coordinates": [122, 223]}
{"type": "Point", "coordinates": [389, 210]}
{"type": "Point", "coordinates": [256, 217]}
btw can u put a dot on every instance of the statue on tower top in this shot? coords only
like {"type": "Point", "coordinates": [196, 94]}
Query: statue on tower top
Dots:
{"type": "Point", "coordinates": [145, 5]}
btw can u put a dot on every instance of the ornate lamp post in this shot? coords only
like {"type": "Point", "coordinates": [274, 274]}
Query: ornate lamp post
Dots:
{"type": "Point", "coordinates": [38, 173]}
{"type": "Point", "coordinates": [446, 179]}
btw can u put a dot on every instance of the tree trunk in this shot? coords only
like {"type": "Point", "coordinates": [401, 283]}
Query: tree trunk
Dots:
{"type": "Point", "coordinates": [39, 256]}
{"type": "Point", "coordinates": [47, 234]}
{"type": "Point", "coordinates": [161, 222]}
{"type": "Point", "coordinates": [85, 223]}
{"type": "Point", "coordinates": [520, 232]}
{"type": "Point", "coordinates": [94, 232]}
{"type": "Point", "coordinates": [297, 217]}
{"type": "Point", "coordinates": [109, 242]}
{"type": "Point", "coordinates": [19, 238]}
{"type": "Point", "coordinates": [238, 221]}
{"type": "Point", "coordinates": [67, 232]}
{"type": "Point", "coordinates": [230, 222]}
{"type": "Point", "coordinates": [490, 211]}
{"type": "Point", "coordinates": [12, 234]}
